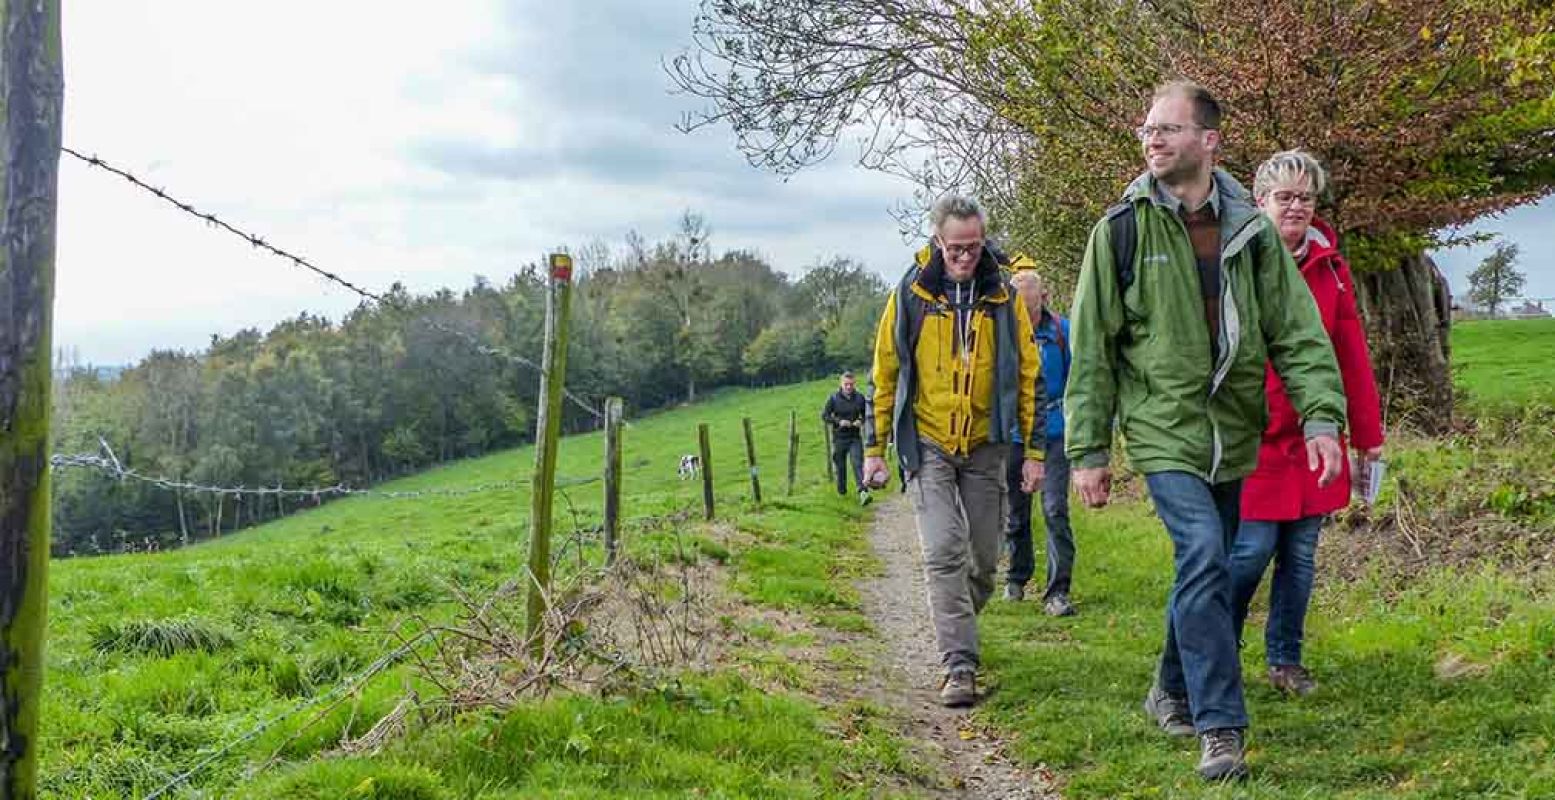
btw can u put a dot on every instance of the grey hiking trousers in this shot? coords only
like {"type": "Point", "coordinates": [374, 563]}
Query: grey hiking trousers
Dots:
{"type": "Point", "coordinates": [959, 503]}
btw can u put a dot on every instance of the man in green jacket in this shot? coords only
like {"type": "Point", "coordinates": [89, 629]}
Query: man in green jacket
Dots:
{"type": "Point", "coordinates": [1173, 345]}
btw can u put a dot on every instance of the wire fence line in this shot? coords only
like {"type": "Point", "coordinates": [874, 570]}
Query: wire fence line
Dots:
{"type": "Point", "coordinates": [111, 467]}
{"type": "Point", "coordinates": [261, 243]}
{"type": "Point", "coordinates": [385, 661]}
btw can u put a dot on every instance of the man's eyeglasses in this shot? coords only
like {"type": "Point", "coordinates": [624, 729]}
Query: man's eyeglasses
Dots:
{"type": "Point", "coordinates": [1165, 129]}
{"type": "Point", "coordinates": [1286, 199]}
{"type": "Point", "coordinates": [959, 251]}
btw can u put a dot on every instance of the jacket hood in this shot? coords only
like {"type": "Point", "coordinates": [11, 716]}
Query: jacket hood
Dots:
{"type": "Point", "coordinates": [1236, 203]}
{"type": "Point", "coordinates": [1322, 241]}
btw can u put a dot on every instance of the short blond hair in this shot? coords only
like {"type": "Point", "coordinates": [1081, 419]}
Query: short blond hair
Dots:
{"type": "Point", "coordinates": [1288, 165]}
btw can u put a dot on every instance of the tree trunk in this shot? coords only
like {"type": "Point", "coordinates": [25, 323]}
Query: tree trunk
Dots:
{"type": "Point", "coordinates": [1408, 316]}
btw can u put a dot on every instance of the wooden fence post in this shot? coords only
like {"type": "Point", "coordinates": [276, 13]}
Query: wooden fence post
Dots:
{"type": "Point", "coordinates": [750, 459]}
{"type": "Point", "coordinates": [612, 478]}
{"type": "Point", "coordinates": [831, 474]}
{"type": "Point", "coordinates": [793, 449]}
{"type": "Point", "coordinates": [558, 301]}
{"type": "Point", "coordinates": [30, 102]}
{"type": "Point", "coordinates": [706, 450]}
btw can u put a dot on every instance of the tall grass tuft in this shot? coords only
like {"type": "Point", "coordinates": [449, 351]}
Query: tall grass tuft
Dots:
{"type": "Point", "coordinates": [163, 637]}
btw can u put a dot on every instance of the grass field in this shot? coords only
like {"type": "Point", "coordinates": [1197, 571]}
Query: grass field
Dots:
{"type": "Point", "coordinates": [156, 660]}
{"type": "Point", "coordinates": [1502, 362]}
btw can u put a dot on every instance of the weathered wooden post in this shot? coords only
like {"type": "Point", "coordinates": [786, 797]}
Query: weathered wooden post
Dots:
{"type": "Point", "coordinates": [612, 478]}
{"type": "Point", "coordinates": [831, 474]}
{"type": "Point", "coordinates": [704, 447]}
{"type": "Point", "coordinates": [750, 460]}
{"type": "Point", "coordinates": [553, 365]}
{"type": "Point", "coordinates": [793, 449]}
{"type": "Point", "coordinates": [31, 95]}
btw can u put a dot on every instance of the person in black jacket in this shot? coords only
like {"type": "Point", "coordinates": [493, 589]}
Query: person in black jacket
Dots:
{"type": "Point", "coordinates": [844, 412]}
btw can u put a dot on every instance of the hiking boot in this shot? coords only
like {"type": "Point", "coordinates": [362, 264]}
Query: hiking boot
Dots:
{"type": "Point", "coordinates": [1292, 679]}
{"type": "Point", "coordinates": [959, 688]}
{"type": "Point", "coordinates": [1058, 606]}
{"type": "Point", "coordinates": [1014, 592]}
{"type": "Point", "coordinates": [1221, 755]}
{"type": "Point", "coordinates": [1170, 711]}
{"type": "Point", "coordinates": [864, 497]}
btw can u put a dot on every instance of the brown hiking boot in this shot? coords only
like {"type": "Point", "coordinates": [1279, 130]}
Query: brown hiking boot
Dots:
{"type": "Point", "coordinates": [959, 689]}
{"type": "Point", "coordinates": [1292, 679]}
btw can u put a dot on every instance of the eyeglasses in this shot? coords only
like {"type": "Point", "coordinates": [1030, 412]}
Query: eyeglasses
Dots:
{"type": "Point", "coordinates": [1285, 198]}
{"type": "Point", "coordinates": [1165, 129]}
{"type": "Point", "coordinates": [959, 251]}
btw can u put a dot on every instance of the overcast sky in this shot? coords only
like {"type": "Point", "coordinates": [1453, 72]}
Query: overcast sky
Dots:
{"type": "Point", "coordinates": [420, 143]}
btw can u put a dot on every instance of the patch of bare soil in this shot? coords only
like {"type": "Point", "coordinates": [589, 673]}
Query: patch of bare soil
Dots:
{"type": "Point", "coordinates": [973, 761]}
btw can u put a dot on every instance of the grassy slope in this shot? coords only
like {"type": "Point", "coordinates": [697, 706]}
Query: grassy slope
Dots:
{"type": "Point", "coordinates": [1506, 361]}
{"type": "Point", "coordinates": [1384, 723]}
{"type": "Point", "coordinates": [310, 599]}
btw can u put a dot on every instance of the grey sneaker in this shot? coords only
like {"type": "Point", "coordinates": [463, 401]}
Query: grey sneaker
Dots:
{"type": "Point", "coordinates": [1014, 592]}
{"type": "Point", "coordinates": [959, 688]}
{"type": "Point", "coordinates": [1058, 606]}
{"type": "Point", "coordinates": [1292, 679]}
{"type": "Point", "coordinates": [1221, 755]}
{"type": "Point", "coordinates": [864, 497]}
{"type": "Point", "coordinates": [1169, 711]}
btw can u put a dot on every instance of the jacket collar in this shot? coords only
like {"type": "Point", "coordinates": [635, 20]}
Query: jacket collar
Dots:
{"type": "Point", "coordinates": [1230, 199]}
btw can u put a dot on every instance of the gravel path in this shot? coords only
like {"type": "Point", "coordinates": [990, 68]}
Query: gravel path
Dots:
{"type": "Point", "coordinates": [973, 758]}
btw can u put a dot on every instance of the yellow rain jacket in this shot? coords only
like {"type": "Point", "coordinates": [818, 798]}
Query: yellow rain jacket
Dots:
{"type": "Point", "coordinates": [964, 385]}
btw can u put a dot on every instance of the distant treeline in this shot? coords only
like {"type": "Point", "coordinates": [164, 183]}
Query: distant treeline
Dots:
{"type": "Point", "coordinates": [389, 390]}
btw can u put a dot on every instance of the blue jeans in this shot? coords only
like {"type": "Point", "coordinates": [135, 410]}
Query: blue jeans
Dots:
{"type": "Point", "coordinates": [1055, 517]}
{"type": "Point", "coordinates": [1200, 656]}
{"type": "Point", "coordinates": [1293, 547]}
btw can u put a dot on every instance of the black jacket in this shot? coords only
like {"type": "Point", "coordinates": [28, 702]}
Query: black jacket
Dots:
{"type": "Point", "coordinates": [839, 407]}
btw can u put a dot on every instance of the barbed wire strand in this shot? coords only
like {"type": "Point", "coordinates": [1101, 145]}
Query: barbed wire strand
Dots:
{"type": "Point", "coordinates": [300, 261]}
{"type": "Point", "coordinates": [384, 662]}
{"type": "Point", "coordinates": [114, 469]}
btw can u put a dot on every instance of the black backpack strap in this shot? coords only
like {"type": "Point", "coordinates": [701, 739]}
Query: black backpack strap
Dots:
{"type": "Point", "coordinates": [1123, 230]}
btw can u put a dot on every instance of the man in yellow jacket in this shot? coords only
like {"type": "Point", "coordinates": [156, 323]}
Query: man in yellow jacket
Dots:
{"type": "Point", "coordinates": [955, 372]}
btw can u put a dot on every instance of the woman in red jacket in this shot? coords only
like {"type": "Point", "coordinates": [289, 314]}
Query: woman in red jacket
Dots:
{"type": "Point", "coordinates": [1282, 505]}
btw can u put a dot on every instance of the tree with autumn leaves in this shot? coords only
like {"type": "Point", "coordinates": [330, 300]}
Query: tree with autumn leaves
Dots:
{"type": "Point", "coordinates": [1429, 114]}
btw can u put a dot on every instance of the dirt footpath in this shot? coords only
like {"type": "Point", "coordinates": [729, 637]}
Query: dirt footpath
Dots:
{"type": "Point", "coordinates": [972, 758]}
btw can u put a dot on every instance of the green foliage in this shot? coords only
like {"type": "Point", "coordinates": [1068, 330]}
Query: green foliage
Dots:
{"type": "Point", "coordinates": [388, 390]}
{"type": "Point", "coordinates": [1496, 280]}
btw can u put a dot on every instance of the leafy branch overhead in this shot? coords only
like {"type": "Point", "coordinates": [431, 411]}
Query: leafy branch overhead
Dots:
{"type": "Point", "coordinates": [1430, 114]}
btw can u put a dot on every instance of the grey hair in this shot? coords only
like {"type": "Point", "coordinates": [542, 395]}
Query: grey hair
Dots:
{"type": "Point", "coordinates": [954, 205]}
{"type": "Point", "coordinates": [1287, 166]}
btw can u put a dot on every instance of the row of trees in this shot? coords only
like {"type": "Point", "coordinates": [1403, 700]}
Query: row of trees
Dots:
{"type": "Point", "coordinates": [1429, 114]}
{"type": "Point", "coordinates": [396, 387]}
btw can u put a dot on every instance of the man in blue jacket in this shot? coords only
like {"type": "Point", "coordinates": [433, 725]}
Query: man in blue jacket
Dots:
{"type": "Point", "coordinates": [1052, 335]}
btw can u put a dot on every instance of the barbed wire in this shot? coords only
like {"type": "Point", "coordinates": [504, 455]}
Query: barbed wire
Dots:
{"type": "Point", "coordinates": [215, 221]}
{"type": "Point", "coordinates": [383, 662]}
{"type": "Point", "coordinates": [110, 466]}
{"type": "Point", "coordinates": [263, 244]}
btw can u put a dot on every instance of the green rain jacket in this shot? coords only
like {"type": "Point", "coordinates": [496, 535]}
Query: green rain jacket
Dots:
{"type": "Point", "coordinates": [1142, 355]}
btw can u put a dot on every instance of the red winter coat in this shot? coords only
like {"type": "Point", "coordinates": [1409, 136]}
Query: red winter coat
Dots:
{"type": "Point", "coordinates": [1282, 488]}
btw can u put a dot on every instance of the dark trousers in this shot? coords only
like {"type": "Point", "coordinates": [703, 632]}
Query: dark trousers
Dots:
{"type": "Point", "coordinates": [1200, 656]}
{"type": "Point", "coordinates": [843, 450]}
{"type": "Point", "coordinates": [1055, 517]}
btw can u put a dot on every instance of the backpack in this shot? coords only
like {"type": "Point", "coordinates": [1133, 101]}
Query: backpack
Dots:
{"type": "Point", "coordinates": [1123, 230]}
